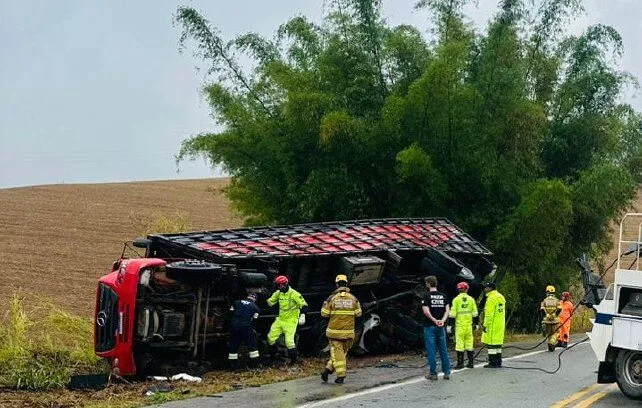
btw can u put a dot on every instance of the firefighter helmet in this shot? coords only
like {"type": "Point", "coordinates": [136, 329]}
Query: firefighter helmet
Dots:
{"type": "Point", "coordinates": [550, 289]}
{"type": "Point", "coordinates": [462, 286]}
{"type": "Point", "coordinates": [281, 280]}
{"type": "Point", "coordinates": [341, 278]}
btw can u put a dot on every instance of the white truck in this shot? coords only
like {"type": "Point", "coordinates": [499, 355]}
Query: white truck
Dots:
{"type": "Point", "coordinates": [616, 337]}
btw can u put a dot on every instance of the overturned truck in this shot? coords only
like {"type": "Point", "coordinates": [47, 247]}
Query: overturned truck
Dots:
{"type": "Point", "coordinates": [171, 305]}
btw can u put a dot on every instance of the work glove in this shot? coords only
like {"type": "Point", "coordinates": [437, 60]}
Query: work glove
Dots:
{"type": "Point", "coordinates": [301, 319]}
{"type": "Point", "coordinates": [449, 329]}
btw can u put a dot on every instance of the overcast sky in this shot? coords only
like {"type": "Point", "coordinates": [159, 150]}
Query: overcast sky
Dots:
{"type": "Point", "coordinates": [96, 91]}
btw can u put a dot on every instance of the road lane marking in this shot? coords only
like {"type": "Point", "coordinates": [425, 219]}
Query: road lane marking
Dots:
{"type": "Point", "coordinates": [595, 397]}
{"type": "Point", "coordinates": [403, 383]}
{"type": "Point", "coordinates": [576, 396]}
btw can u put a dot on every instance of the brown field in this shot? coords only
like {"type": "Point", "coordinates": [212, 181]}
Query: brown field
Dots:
{"type": "Point", "coordinates": [56, 240]}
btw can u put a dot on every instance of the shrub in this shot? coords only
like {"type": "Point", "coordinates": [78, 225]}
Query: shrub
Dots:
{"type": "Point", "coordinates": [160, 223]}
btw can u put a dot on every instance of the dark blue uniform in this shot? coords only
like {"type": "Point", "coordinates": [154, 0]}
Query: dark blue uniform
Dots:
{"type": "Point", "coordinates": [242, 329]}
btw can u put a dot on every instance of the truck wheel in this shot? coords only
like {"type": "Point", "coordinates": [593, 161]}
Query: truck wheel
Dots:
{"type": "Point", "coordinates": [628, 372]}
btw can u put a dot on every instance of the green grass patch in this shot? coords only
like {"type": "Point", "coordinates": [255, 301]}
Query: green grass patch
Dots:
{"type": "Point", "coordinates": [43, 348]}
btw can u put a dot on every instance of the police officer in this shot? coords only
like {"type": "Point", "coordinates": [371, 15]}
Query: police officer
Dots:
{"type": "Point", "coordinates": [494, 324]}
{"type": "Point", "coordinates": [341, 308]}
{"type": "Point", "coordinates": [292, 308]}
{"type": "Point", "coordinates": [464, 312]}
{"type": "Point", "coordinates": [550, 309]}
{"type": "Point", "coordinates": [242, 329]}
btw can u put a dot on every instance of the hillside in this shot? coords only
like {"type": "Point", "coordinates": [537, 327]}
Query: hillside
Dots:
{"type": "Point", "coordinates": [57, 240]}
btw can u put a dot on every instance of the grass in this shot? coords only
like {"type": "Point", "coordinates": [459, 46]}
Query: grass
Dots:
{"type": "Point", "coordinates": [40, 353]}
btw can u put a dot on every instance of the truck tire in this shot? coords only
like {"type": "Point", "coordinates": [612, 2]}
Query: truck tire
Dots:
{"type": "Point", "coordinates": [628, 373]}
{"type": "Point", "coordinates": [194, 271]}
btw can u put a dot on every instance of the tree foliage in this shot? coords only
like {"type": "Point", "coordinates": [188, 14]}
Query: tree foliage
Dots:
{"type": "Point", "coordinates": [518, 133]}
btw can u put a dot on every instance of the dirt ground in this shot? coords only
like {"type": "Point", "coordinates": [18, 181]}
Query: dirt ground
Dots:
{"type": "Point", "coordinates": [56, 240]}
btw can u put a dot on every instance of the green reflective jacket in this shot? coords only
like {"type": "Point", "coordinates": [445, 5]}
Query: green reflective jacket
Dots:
{"type": "Point", "coordinates": [494, 319]}
{"type": "Point", "coordinates": [463, 310]}
{"type": "Point", "coordinates": [290, 303]}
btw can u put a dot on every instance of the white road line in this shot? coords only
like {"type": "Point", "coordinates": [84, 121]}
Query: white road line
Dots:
{"type": "Point", "coordinates": [406, 382]}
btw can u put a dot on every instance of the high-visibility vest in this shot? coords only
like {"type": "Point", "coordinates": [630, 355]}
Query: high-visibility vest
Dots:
{"type": "Point", "coordinates": [290, 304]}
{"type": "Point", "coordinates": [463, 310]}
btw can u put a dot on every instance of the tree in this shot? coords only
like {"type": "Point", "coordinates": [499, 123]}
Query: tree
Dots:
{"type": "Point", "coordinates": [519, 134]}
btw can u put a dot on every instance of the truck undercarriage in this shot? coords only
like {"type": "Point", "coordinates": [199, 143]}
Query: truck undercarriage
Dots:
{"type": "Point", "coordinates": [172, 305]}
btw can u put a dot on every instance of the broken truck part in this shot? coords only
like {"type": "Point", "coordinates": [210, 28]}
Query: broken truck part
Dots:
{"type": "Point", "coordinates": [171, 305]}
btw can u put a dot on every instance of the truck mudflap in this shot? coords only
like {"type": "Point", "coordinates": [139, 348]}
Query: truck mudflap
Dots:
{"type": "Point", "coordinates": [606, 372]}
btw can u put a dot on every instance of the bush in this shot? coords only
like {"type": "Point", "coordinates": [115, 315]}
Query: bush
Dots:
{"type": "Point", "coordinates": [160, 223]}
{"type": "Point", "coordinates": [39, 353]}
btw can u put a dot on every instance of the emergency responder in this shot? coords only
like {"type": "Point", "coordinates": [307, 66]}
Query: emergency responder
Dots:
{"type": "Point", "coordinates": [292, 309]}
{"type": "Point", "coordinates": [550, 309]}
{"type": "Point", "coordinates": [242, 329]}
{"type": "Point", "coordinates": [464, 313]}
{"type": "Point", "coordinates": [435, 308]}
{"type": "Point", "coordinates": [494, 324]}
{"type": "Point", "coordinates": [565, 317]}
{"type": "Point", "coordinates": [342, 308]}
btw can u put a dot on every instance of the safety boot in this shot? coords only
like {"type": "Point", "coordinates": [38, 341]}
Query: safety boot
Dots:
{"type": "Point", "coordinates": [460, 360]}
{"type": "Point", "coordinates": [325, 374]}
{"type": "Point", "coordinates": [471, 359]}
{"type": "Point", "coordinates": [234, 365]}
{"type": "Point", "coordinates": [498, 361]}
{"type": "Point", "coordinates": [273, 352]}
{"type": "Point", "coordinates": [292, 354]}
{"type": "Point", "coordinates": [492, 361]}
{"type": "Point", "coordinates": [339, 380]}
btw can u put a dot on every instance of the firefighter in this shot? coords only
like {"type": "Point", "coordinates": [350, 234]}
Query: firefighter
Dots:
{"type": "Point", "coordinates": [341, 308]}
{"type": "Point", "coordinates": [494, 324]}
{"type": "Point", "coordinates": [242, 329]}
{"type": "Point", "coordinates": [464, 313]}
{"type": "Point", "coordinates": [565, 320]}
{"type": "Point", "coordinates": [550, 309]}
{"type": "Point", "coordinates": [292, 309]}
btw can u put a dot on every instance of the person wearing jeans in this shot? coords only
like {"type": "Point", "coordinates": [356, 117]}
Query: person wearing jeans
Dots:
{"type": "Point", "coordinates": [435, 309]}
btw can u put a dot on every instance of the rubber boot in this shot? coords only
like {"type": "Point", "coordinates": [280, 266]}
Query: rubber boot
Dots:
{"type": "Point", "coordinates": [460, 360]}
{"type": "Point", "coordinates": [234, 365]}
{"type": "Point", "coordinates": [325, 374]}
{"type": "Point", "coordinates": [471, 359]}
{"type": "Point", "coordinates": [498, 360]}
{"type": "Point", "coordinates": [253, 363]}
{"type": "Point", "coordinates": [292, 354]}
{"type": "Point", "coordinates": [492, 361]}
{"type": "Point", "coordinates": [339, 380]}
{"type": "Point", "coordinates": [273, 351]}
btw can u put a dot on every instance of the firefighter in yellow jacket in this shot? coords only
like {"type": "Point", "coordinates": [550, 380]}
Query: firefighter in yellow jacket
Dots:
{"type": "Point", "coordinates": [494, 324]}
{"type": "Point", "coordinates": [464, 313]}
{"type": "Point", "coordinates": [551, 309]}
{"type": "Point", "coordinates": [342, 308]}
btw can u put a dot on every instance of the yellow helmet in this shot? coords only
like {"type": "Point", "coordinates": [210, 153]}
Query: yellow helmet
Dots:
{"type": "Point", "coordinates": [340, 278]}
{"type": "Point", "coordinates": [550, 289]}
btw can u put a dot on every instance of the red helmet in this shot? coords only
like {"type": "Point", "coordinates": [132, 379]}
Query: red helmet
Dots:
{"type": "Point", "coordinates": [462, 286]}
{"type": "Point", "coordinates": [281, 280]}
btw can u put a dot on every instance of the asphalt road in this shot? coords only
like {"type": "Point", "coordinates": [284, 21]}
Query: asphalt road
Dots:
{"type": "Point", "coordinates": [516, 385]}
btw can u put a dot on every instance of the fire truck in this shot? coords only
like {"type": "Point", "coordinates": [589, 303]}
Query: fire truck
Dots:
{"type": "Point", "coordinates": [169, 306]}
{"type": "Point", "coordinates": [616, 337]}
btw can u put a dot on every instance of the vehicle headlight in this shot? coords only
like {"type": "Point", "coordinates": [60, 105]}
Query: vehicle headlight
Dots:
{"type": "Point", "coordinates": [466, 273]}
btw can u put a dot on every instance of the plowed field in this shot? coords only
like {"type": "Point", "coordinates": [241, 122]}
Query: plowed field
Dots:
{"type": "Point", "coordinates": [57, 240]}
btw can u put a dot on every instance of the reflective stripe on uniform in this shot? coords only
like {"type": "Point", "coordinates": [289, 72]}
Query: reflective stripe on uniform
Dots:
{"type": "Point", "coordinates": [234, 356]}
{"type": "Point", "coordinates": [335, 331]}
{"type": "Point", "coordinates": [342, 312]}
{"type": "Point", "coordinates": [254, 354]}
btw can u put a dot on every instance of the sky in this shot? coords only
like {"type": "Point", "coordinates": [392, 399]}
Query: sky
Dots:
{"type": "Point", "coordinates": [96, 91]}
